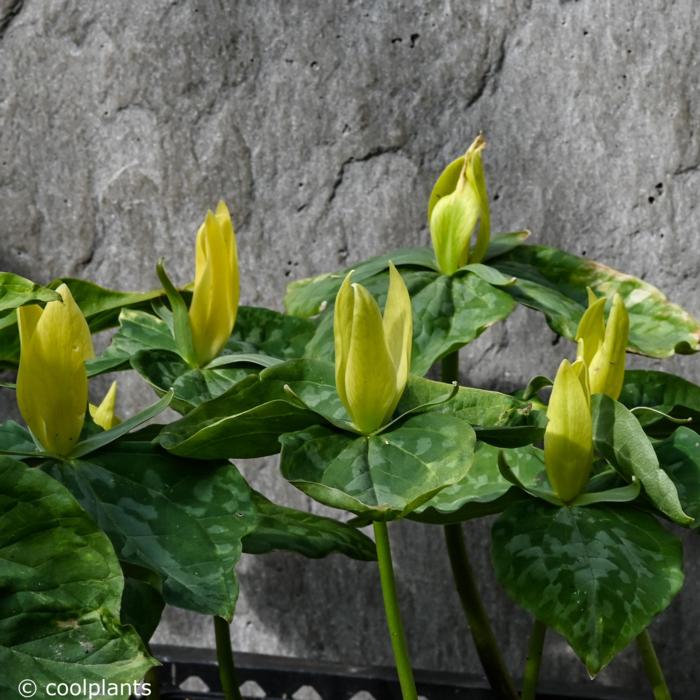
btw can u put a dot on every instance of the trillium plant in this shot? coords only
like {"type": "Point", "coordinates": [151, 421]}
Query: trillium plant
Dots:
{"type": "Point", "coordinates": [105, 519]}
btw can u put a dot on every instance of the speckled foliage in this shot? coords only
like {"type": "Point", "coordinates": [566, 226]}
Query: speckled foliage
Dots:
{"type": "Point", "coordinates": [323, 125]}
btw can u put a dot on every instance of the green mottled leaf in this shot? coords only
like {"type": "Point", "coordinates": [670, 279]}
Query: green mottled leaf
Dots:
{"type": "Point", "coordinates": [383, 476]}
{"type": "Point", "coordinates": [17, 291]}
{"type": "Point", "coordinates": [248, 419]}
{"type": "Point", "coordinates": [61, 587]}
{"type": "Point", "coordinates": [499, 419]}
{"type": "Point", "coordinates": [620, 438]}
{"type": "Point", "coordinates": [313, 536]}
{"type": "Point", "coordinates": [555, 282]}
{"type": "Point", "coordinates": [679, 456]}
{"type": "Point", "coordinates": [665, 392]}
{"type": "Point", "coordinates": [142, 601]}
{"type": "Point", "coordinates": [166, 371]}
{"type": "Point", "coordinates": [307, 297]}
{"type": "Point", "coordinates": [483, 491]}
{"type": "Point", "coordinates": [597, 575]}
{"type": "Point", "coordinates": [182, 519]}
{"type": "Point", "coordinates": [448, 313]}
{"type": "Point", "coordinates": [16, 440]}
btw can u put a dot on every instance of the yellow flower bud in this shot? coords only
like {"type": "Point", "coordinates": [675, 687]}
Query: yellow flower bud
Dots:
{"type": "Point", "coordinates": [103, 415]}
{"type": "Point", "coordinates": [372, 354]}
{"type": "Point", "coordinates": [603, 346]}
{"type": "Point", "coordinates": [216, 285]}
{"type": "Point", "coordinates": [458, 200]}
{"type": "Point", "coordinates": [52, 383]}
{"type": "Point", "coordinates": [568, 437]}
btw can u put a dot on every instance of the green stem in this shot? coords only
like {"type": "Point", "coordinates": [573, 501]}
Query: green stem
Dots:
{"type": "Point", "coordinates": [652, 667]}
{"type": "Point", "coordinates": [393, 616]}
{"type": "Point", "coordinates": [534, 660]}
{"type": "Point", "coordinates": [224, 655]}
{"type": "Point", "coordinates": [484, 639]}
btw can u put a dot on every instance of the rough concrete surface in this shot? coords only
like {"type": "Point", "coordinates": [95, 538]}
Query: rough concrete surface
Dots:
{"type": "Point", "coordinates": [323, 125]}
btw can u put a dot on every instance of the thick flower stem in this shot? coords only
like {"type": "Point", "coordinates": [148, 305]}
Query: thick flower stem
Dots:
{"type": "Point", "coordinates": [393, 616]}
{"type": "Point", "coordinates": [652, 667]}
{"type": "Point", "coordinates": [484, 639]}
{"type": "Point", "coordinates": [224, 655]}
{"type": "Point", "coordinates": [533, 661]}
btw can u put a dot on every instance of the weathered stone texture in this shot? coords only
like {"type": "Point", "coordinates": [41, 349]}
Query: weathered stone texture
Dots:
{"type": "Point", "coordinates": [324, 124]}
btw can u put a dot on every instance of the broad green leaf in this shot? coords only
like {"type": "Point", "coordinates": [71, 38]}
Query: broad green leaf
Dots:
{"type": "Point", "coordinates": [17, 291]}
{"type": "Point", "coordinates": [103, 438]}
{"type": "Point", "coordinates": [484, 491]}
{"type": "Point", "coordinates": [182, 519]}
{"type": "Point", "coordinates": [167, 371]}
{"type": "Point", "coordinates": [499, 419]}
{"type": "Point", "coordinates": [16, 440]}
{"type": "Point", "coordinates": [382, 476]}
{"type": "Point", "coordinates": [679, 456]}
{"type": "Point", "coordinates": [142, 602]}
{"type": "Point", "coordinates": [448, 313]}
{"type": "Point", "coordinates": [555, 282]}
{"type": "Point", "coordinates": [665, 392]}
{"type": "Point", "coordinates": [618, 436]}
{"type": "Point", "coordinates": [307, 297]}
{"type": "Point", "coordinates": [248, 419]}
{"type": "Point", "coordinates": [313, 536]}
{"type": "Point", "coordinates": [597, 575]}
{"type": "Point", "coordinates": [451, 312]}
{"type": "Point", "coordinates": [61, 589]}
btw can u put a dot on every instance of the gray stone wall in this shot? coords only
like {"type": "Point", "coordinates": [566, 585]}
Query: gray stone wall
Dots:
{"type": "Point", "coordinates": [323, 124]}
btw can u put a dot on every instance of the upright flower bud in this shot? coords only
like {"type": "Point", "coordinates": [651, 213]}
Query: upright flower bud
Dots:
{"type": "Point", "coordinates": [103, 415]}
{"type": "Point", "coordinates": [603, 346]}
{"type": "Point", "coordinates": [372, 354]}
{"type": "Point", "coordinates": [568, 437]}
{"type": "Point", "coordinates": [52, 383]}
{"type": "Point", "coordinates": [458, 200]}
{"type": "Point", "coordinates": [216, 285]}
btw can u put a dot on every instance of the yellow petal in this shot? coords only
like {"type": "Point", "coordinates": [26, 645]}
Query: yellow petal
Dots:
{"type": "Point", "coordinates": [398, 327]}
{"type": "Point", "coordinates": [103, 415]}
{"type": "Point", "coordinates": [607, 367]}
{"type": "Point", "coordinates": [458, 200]}
{"type": "Point", "coordinates": [342, 330]}
{"type": "Point", "coordinates": [474, 173]}
{"type": "Point", "coordinates": [52, 382]}
{"type": "Point", "coordinates": [370, 376]}
{"type": "Point", "coordinates": [591, 329]}
{"type": "Point", "coordinates": [216, 288]}
{"type": "Point", "coordinates": [568, 438]}
{"type": "Point", "coordinates": [451, 226]}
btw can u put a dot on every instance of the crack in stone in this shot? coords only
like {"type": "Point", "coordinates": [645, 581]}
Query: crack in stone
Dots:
{"type": "Point", "coordinates": [687, 169]}
{"type": "Point", "coordinates": [490, 73]}
{"type": "Point", "coordinates": [9, 14]}
{"type": "Point", "coordinates": [374, 153]}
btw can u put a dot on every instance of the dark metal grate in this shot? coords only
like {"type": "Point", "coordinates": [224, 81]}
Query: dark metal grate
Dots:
{"type": "Point", "coordinates": [281, 677]}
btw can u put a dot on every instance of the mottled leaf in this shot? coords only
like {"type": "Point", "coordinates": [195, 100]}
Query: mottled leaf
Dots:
{"type": "Point", "coordinates": [665, 392]}
{"type": "Point", "coordinates": [554, 282]}
{"type": "Point", "coordinates": [597, 575]}
{"type": "Point", "coordinates": [313, 536]}
{"type": "Point", "coordinates": [61, 588]}
{"type": "Point", "coordinates": [142, 601]}
{"type": "Point", "coordinates": [182, 519]}
{"type": "Point", "coordinates": [484, 491]}
{"type": "Point", "coordinates": [17, 291]}
{"type": "Point", "coordinates": [382, 476]}
{"type": "Point", "coordinates": [679, 456]}
{"type": "Point", "coordinates": [620, 438]}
